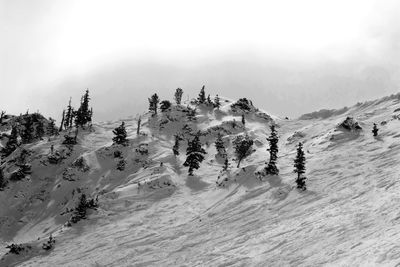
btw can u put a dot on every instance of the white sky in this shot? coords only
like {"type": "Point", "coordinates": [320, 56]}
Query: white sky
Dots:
{"type": "Point", "coordinates": [282, 49]}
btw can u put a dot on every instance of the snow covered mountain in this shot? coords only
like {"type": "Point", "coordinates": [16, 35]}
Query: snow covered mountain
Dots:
{"type": "Point", "coordinates": [151, 213]}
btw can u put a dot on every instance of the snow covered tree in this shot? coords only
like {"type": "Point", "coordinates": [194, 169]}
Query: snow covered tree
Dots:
{"type": "Point", "coordinates": [69, 115]}
{"type": "Point", "coordinates": [300, 167]}
{"type": "Point", "coordinates": [191, 113]}
{"type": "Point", "coordinates": [12, 142]}
{"type": "Point", "coordinates": [226, 164]}
{"type": "Point", "coordinates": [120, 135]}
{"type": "Point", "coordinates": [83, 114]}
{"type": "Point", "coordinates": [164, 105]}
{"type": "Point", "coordinates": [220, 146]}
{"type": "Point", "coordinates": [273, 139]}
{"type": "Point", "coordinates": [242, 145]}
{"type": "Point", "coordinates": [243, 120]}
{"type": "Point", "coordinates": [51, 127]}
{"type": "Point", "coordinates": [139, 122]}
{"type": "Point", "coordinates": [3, 181]}
{"type": "Point", "coordinates": [209, 102]}
{"type": "Point", "coordinates": [40, 129]}
{"type": "Point", "coordinates": [375, 130]}
{"type": "Point", "coordinates": [194, 153]}
{"type": "Point", "coordinates": [217, 102]}
{"type": "Point", "coordinates": [202, 96]}
{"type": "Point", "coordinates": [27, 133]}
{"type": "Point", "coordinates": [178, 96]}
{"type": "Point", "coordinates": [49, 244]}
{"type": "Point", "coordinates": [175, 148]}
{"type": "Point", "coordinates": [153, 103]}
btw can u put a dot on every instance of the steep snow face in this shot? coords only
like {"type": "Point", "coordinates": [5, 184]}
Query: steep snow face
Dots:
{"type": "Point", "coordinates": [152, 213]}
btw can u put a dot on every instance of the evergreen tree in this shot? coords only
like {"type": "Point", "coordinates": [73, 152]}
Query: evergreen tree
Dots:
{"type": "Point", "coordinates": [243, 145]}
{"type": "Point", "coordinates": [164, 105]}
{"type": "Point", "coordinates": [217, 102]}
{"type": "Point", "coordinates": [83, 114]}
{"type": "Point", "coordinates": [209, 102]}
{"type": "Point", "coordinates": [153, 103]}
{"type": "Point", "coordinates": [226, 164]}
{"type": "Point", "coordinates": [69, 115]}
{"type": "Point", "coordinates": [28, 132]}
{"type": "Point", "coordinates": [3, 181]}
{"type": "Point", "coordinates": [300, 168]}
{"type": "Point", "coordinates": [12, 142]}
{"type": "Point", "coordinates": [220, 146]}
{"type": "Point", "coordinates": [175, 148]}
{"type": "Point", "coordinates": [40, 129]}
{"type": "Point", "coordinates": [178, 96]}
{"type": "Point", "coordinates": [243, 120]}
{"type": "Point", "coordinates": [51, 127]}
{"type": "Point", "coordinates": [194, 153]}
{"type": "Point", "coordinates": [273, 139]}
{"type": "Point", "coordinates": [191, 114]}
{"type": "Point", "coordinates": [120, 135]}
{"type": "Point", "coordinates": [81, 209]}
{"type": "Point", "coordinates": [138, 125]}
{"type": "Point", "coordinates": [202, 96]}
{"type": "Point", "coordinates": [375, 130]}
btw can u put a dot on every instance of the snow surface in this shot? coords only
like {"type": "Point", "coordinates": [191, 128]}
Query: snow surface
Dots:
{"type": "Point", "coordinates": [153, 214]}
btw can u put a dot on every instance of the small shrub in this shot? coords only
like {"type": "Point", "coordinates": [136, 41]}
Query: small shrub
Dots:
{"type": "Point", "coordinates": [49, 244]}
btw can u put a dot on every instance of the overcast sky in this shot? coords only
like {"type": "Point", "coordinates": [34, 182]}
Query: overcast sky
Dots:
{"type": "Point", "coordinates": [288, 56]}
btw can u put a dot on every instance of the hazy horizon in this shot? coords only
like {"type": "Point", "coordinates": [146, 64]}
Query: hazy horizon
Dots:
{"type": "Point", "coordinates": [289, 57]}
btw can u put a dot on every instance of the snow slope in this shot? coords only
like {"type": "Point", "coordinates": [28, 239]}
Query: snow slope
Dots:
{"type": "Point", "coordinates": [153, 214]}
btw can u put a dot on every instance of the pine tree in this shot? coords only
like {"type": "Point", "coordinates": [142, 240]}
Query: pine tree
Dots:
{"type": "Point", "coordinates": [194, 153]}
{"type": "Point", "coordinates": [226, 164]}
{"type": "Point", "coordinates": [202, 96]}
{"type": "Point", "coordinates": [83, 114]}
{"type": "Point", "coordinates": [178, 96]}
{"type": "Point", "coordinates": [243, 145]}
{"type": "Point", "coordinates": [273, 139]}
{"type": "Point", "coordinates": [300, 168]}
{"type": "Point", "coordinates": [191, 114]}
{"type": "Point", "coordinates": [209, 102]}
{"type": "Point", "coordinates": [12, 142]}
{"type": "Point", "coordinates": [138, 125]}
{"type": "Point", "coordinates": [243, 120]}
{"type": "Point", "coordinates": [217, 102]}
{"type": "Point", "coordinates": [69, 115]}
{"type": "Point", "coordinates": [220, 146]}
{"type": "Point", "coordinates": [40, 130]}
{"type": "Point", "coordinates": [164, 105]}
{"type": "Point", "coordinates": [153, 103]}
{"type": "Point", "coordinates": [175, 148]}
{"type": "Point", "coordinates": [3, 181]}
{"type": "Point", "coordinates": [120, 135]}
{"type": "Point", "coordinates": [375, 130]}
{"type": "Point", "coordinates": [27, 133]}
{"type": "Point", "coordinates": [51, 127]}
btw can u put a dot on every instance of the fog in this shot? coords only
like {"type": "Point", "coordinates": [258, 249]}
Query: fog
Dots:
{"type": "Point", "coordinates": [288, 57]}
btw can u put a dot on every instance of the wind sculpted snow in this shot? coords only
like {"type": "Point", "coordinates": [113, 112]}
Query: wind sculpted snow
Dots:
{"type": "Point", "coordinates": [153, 214]}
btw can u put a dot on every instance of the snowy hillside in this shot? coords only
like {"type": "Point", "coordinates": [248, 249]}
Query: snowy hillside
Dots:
{"type": "Point", "coordinates": [151, 213]}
